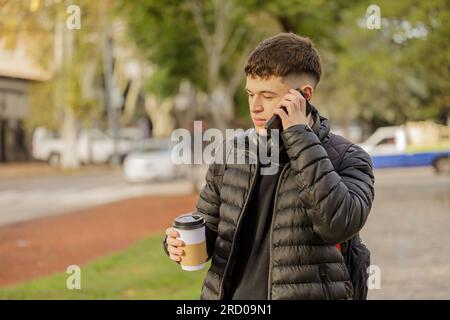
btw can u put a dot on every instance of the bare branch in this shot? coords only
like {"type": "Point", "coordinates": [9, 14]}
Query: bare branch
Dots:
{"type": "Point", "coordinates": [233, 84]}
{"type": "Point", "coordinates": [233, 43]}
{"type": "Point", "coordinates": [200, 22]}
{"type": "Point", "coordinates": [222, 15]}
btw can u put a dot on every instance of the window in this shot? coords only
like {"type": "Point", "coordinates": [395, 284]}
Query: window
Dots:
{"type": "Point", "coordinates": [387, 141]}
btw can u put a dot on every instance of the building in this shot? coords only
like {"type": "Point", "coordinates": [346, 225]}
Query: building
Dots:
{"type": "Point", "coordinates": [17, 72]}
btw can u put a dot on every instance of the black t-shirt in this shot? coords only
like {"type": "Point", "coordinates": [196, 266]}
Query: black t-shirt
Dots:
{"type": "Point", "coordinates": [249, 277]}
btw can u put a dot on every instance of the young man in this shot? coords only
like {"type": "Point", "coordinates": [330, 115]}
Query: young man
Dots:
{"type": "Point", "coordinates": [275, 236]}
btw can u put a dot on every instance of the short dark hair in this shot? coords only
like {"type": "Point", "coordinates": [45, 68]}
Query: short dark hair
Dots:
{"type": "Point", "coordinates": [283, 55]}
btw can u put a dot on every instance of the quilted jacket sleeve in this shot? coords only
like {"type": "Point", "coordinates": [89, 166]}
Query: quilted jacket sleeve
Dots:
{"type": "Point", "coordinates": [208, 205]}
{"type": "Point", "coordinates": [338, 203]}
{"type": "Point", "coordinates": [208, 202]}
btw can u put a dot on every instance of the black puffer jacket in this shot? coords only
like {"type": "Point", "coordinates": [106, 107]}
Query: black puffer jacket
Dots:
{"type": "Point", "coordinates": [315, 208]}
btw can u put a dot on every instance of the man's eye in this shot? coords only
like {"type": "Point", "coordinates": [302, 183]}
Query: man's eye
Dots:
{"type": "Point", "coordinates": [268, 98]}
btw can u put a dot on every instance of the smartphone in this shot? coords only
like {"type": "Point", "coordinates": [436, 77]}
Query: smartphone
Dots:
{"type": "Point", "coordinates": [275, 121]}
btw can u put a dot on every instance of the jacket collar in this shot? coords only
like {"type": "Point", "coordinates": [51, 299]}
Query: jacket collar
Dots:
{"type": "Point", "coordinates": [320, 127]}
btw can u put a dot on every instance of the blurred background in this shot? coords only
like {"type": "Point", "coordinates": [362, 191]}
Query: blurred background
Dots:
{"type": "Point", "coordinates": [90, 92]}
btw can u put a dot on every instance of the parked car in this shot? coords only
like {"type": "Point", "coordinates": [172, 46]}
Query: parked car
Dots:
{"type": "Point", "coordinates": [46, 146]}
{"type": "Point", "coordinates": [92, 146]}
{"type": "Point", "coordinates": [413, 144]}
{"type": "Point", "coordinates": [152, 161]}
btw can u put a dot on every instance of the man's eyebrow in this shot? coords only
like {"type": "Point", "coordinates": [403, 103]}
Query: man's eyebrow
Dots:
{"type": "Point", "coordinates": [264, 91]}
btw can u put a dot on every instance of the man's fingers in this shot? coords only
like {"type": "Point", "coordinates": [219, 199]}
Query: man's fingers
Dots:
{"type": "Point", "coordinates": [174, 242]}
{"type": "Point", "coordinates": [297, 94]}
{"type": "Point", "coordinates": [294, 97]}
{"type": "Point", "coordinates": [175, 251]}
{"type": "Point", "coordinates": [175, 258]}
{"type": "Point", "coordinates": [281, 113]}
{"type": "Point", "coordinates": [172, 233]}
{"type": "Point", "coordinates": [290, 107]}
{"type": "Point", "coordinates": [173, 245]}
{"type": "Point", "coordinates": [298, 99]}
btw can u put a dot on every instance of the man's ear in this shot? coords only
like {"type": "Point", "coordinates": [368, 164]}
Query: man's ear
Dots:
{"type": "Point", "coordinates": [308, 91]}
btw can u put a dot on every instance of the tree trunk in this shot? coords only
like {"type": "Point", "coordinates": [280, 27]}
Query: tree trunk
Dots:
{"type": "Point", "coordinates": [159, 113]}
{"type": "Point", "coordinates": [69, 155]}
{"type": "Point", "coordinates": [222, 107]}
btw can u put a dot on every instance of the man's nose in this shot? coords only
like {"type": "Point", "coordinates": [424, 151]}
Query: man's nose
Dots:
{"type": "Point", "coordinates": [256, 105]}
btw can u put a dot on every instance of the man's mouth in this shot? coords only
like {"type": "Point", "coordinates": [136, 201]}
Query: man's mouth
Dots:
{"type": "Point", "coordinates": [259, 121]}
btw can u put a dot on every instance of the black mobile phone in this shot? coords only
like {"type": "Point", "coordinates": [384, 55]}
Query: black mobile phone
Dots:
{"type": "Point", "coordinates": [275, 121]}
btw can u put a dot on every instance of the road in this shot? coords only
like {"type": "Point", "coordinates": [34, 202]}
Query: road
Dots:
{"type": "Point", "coordinates": [408, 234]}
{"type": "Point", "coordinates": [29, 198]}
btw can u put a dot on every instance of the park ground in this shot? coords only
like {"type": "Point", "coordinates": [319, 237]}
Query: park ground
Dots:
{"type": "Point", "coordinates": [118, 244]}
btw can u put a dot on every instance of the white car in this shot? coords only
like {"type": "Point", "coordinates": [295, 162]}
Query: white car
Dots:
{"type": "Point", "coordinates": [151, 162]}
{"type": "Point", "coordinates": [47, 146]}
{"type": "Point", "coordinates": [92, 146]}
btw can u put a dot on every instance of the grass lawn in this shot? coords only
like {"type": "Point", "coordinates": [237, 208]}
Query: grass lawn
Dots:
{"type": "Point", "coordinates": [142, 271]}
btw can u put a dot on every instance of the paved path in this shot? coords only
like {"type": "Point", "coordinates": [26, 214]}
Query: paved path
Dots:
{"type": "Point", "coordinates": [29, 198]}
{"type": "Point", "coordinates": [408, 233]}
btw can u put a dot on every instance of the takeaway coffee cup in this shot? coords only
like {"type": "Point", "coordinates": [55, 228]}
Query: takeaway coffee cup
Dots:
{"type": "Point", "coordinates": [191, 228]}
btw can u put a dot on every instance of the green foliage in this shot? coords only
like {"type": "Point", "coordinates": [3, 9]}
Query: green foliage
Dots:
{"type": "Point", "coordinates": [393, 74]}
{"type": "Point", "coordinates": [64, 90]}
{"type": "Point", "coordinates": [165, 32]}
{"type": "Point", "coordinates": [380, 77]}
{"type": "Point", "coordinates": [42, 111]}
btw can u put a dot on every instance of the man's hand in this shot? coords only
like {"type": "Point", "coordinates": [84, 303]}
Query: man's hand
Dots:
{"type": "Point", "coordinates": [174, 246]}
{"type": "Point", "coordinates": [295, 106]}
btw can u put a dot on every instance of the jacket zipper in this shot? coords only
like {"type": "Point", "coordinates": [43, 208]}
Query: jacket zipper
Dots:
{"type": "Point", "coordinates": [221, 290]}
{"type": "Point", "coordinates": [269, 280]}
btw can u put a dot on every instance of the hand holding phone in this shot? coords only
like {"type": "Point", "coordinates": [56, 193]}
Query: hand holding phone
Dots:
{"type": "Point", "coordinates": [275, 121]}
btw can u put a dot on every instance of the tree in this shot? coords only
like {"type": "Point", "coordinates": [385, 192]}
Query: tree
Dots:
{"type": "Point", "coordinates": [208, 42]}
{"type": "Point", "coordinates": [203, 42]}
{"type": "Point", "coordinates": [376, 76]}
{"type": "Point", "coordinates": [401, 71]}
{"type": "Point", "coordinates": [71, 55]}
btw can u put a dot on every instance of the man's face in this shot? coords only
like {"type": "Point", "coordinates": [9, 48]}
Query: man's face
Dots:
{"type": "Point", "coordinates": [264, 95]}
